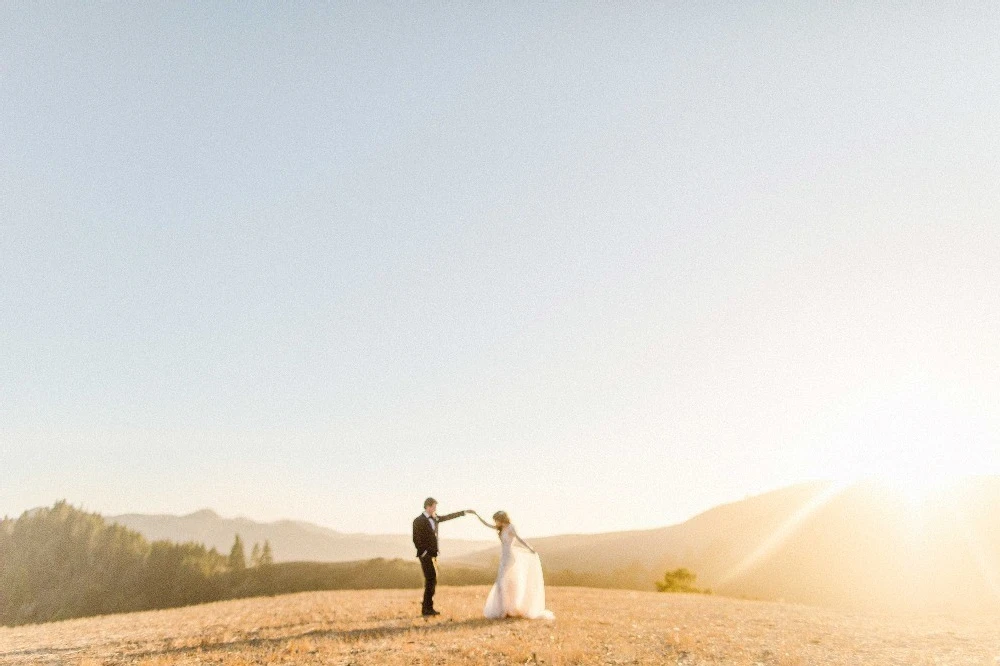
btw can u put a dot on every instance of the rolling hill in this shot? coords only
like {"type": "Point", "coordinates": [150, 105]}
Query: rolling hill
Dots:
{"type": "Point", "coordinates": [867, 545]}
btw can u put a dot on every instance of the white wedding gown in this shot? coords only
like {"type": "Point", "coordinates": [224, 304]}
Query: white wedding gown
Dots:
{"type": "Point", "coordinates": [519, 590]}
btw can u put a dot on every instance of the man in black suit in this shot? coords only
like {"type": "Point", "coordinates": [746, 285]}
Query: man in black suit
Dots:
{"type": "Point", "coordinates": [425, 538]}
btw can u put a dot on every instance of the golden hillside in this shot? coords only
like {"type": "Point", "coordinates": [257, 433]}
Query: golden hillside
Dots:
{"type": "Point", "coordinates": [591, 627]}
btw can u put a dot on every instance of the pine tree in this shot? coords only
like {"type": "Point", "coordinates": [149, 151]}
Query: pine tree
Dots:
{"type": "Point", "coordinates": [237, 556]}
{"type": "Point", "coordinates": [255, 555]}
{"type": "Point", "coordinates": [266, 557]}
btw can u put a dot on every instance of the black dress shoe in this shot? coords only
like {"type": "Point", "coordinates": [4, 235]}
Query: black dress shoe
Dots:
{"type": "Point", "coordinates": [430, 613]}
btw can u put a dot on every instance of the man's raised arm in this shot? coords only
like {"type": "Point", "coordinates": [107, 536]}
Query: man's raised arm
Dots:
{"type": "Point", "coordinates": [457, 514]}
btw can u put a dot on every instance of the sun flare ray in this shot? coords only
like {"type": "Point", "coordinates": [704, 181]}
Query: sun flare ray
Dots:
{"type": "Point", "coordinates": [784, 531]}
{"type": "Point", "coordinates": [986, 567]}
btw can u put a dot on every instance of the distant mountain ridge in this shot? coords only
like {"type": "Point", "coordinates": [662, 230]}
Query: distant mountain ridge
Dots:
{"type": "Point", "coordinates": [863, 546]}
{"type": "Point", "coordinates": [291, 540]}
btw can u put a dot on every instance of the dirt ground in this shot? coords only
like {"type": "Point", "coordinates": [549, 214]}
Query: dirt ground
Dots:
{"type": "Point", "coordinates": [591, 627]}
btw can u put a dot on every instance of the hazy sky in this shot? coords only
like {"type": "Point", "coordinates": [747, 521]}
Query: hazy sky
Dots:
{"type": "Point", "coordinates": [601, 265]}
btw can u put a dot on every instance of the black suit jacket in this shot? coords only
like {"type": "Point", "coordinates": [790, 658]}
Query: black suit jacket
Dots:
{"type": "Point", "coordinates": [425, 538]}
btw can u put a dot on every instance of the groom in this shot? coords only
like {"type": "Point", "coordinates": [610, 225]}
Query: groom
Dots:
{"type": "Point", "coordinates": [425, 538]}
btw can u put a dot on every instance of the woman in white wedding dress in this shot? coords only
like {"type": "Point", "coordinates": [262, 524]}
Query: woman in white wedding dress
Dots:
{"type": "Point", "coordinates": [519, 590]}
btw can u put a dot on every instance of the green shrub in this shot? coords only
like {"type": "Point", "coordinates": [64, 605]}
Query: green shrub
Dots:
{"type": "Point", "coordinates": [679, 580]}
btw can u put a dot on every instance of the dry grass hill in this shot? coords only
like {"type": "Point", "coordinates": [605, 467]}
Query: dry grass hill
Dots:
{"type": "Point", "coordinates": [591, 627]}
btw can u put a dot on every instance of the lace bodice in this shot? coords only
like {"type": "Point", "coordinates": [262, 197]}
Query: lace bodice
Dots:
{"type": "Point", "coordinates": [508, 537]}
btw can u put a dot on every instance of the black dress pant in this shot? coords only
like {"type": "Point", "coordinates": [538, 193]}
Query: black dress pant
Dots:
{"type": "Point", "coordinates": [429, 566]}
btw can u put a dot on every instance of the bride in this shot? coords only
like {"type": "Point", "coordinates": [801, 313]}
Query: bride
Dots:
{"type": "Point", "coordinates": [519, 590]}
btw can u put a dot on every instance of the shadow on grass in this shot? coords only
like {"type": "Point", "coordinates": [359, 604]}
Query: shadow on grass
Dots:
{"type": "Point", "coordinates": [347, 636]}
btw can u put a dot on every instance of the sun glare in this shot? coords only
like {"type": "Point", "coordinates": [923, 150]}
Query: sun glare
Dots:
{"type": "Point", "coordinates": [915, 488]}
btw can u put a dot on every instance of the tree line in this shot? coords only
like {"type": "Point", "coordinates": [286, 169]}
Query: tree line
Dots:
{"type": "Point", "coordinates": [62, 562]}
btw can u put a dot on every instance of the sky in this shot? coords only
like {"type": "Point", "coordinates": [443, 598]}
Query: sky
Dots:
{"type": "Point", "coordinates": [603, 266]}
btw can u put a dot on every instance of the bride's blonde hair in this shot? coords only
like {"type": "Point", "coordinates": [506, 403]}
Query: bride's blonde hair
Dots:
{"type": "Point", "coordinates": [501, 518]}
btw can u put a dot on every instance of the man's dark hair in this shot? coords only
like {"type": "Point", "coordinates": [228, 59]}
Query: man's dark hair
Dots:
{"type": "Point", "coordinates": [429, 501]}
